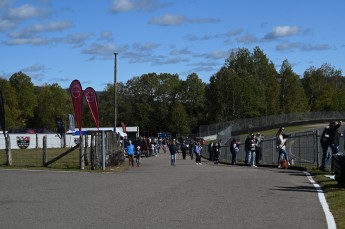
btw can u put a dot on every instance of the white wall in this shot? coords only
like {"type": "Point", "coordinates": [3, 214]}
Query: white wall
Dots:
{"type": "Point", "coordinates": [36, 141]}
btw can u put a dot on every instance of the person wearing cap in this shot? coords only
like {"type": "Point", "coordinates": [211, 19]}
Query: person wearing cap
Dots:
{"type": "Point", "coordinates": [173, 151]}
{"type": "Point", "coordinates": [281, 145]}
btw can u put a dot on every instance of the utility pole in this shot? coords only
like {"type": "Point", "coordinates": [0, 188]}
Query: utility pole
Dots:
{"type": "Point", "coordinates": [115, 91]}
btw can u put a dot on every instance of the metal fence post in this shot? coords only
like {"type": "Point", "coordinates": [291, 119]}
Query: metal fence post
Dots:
{"type": "Point", "coordinates": [82, 162]}
{"type": "Point", "coordinates": [272, 151]}
{"type": "Point", "coordinates": [316, 153]}
{"type": "Point", "coordinates": [8, 151]}
{"type": "Point", "coordinates": [103, 150]}
{"type": "Point", "coordinates": [44, 150]}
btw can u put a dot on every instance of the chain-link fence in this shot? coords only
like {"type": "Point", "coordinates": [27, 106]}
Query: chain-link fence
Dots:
{"type": "Point", "coordinates": [105, 149]}
{"type": "Point", "coordinates": [266, 122]}
{"type": "Point", "coordinates": [101, 149]}
{"type": "Point", "coordinates": [303, 149]}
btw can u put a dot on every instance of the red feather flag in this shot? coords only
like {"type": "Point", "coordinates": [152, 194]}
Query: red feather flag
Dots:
{"type": "Point", "coordinates": [77, 100]}
{"type": "Point", "coordinates": [92, 101]}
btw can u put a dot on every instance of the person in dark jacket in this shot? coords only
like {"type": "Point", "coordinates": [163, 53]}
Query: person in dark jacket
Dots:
{"type": "Point", "coordinates": [234, 148]}
{"type": "Point", "coordinates": [247, 149]}
{"type": "Point", "coordinates": [329, 142]}
{"type": "Point", "coordinates": [216, 151]}
{"type": "Point", "coordinates": [184, 149]}
{"type": "Point", "coordinates": [210, 151]}
{"type": "Point", "coordinates": [173, 151]}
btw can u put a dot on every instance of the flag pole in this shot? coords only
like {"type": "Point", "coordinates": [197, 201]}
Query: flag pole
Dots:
{"type": "Point", "coordinates": [115, 91]}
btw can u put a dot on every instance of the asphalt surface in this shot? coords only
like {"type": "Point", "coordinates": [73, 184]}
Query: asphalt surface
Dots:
{"type": "Point", "coordinates": [157, 195]}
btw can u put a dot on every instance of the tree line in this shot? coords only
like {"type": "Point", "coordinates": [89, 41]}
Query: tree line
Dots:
{"type": "Point", "coordinates": [247, 86]}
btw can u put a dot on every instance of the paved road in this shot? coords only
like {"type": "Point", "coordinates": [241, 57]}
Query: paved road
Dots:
{"type": "Point", "coordinates": [158, 195]}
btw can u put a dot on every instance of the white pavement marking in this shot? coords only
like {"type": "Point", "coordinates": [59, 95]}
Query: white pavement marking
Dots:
{"type": "Point", "coordinates": [329, 216]}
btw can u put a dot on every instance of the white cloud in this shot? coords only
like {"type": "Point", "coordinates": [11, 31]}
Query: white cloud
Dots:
{"type": "Point", "coordinates": [122, 5]}
{"type": "Point", "coordinates": [287, 46]}
{"type": "Point", "coordinates": [145, 46]}
{"type": "Point", "coordinates": [103, 51]}
{"type": "Point", "coordinates": [31, 40]}
{"type": "Point", "coordinates": [198, 38]}
{"type": "Point", "coordinates": [23, 12]}
{"type": "Point", "coordinates": [204, 20]}
{"type": "Point", "coordinates": [49, 27]}
{"type": "Point", "coordinates": [247, 39]}
{"type": "Point", "coordinates": [215, 55]}
{"type": "Point", "coordinates": [33, 68]}
{"type": "Point", "coordinates": [184, 51]}
{"type": "Point", "coordinates": [317, 47]}
{"type": "Point", "coordinates": [6, 24]}
{"type": "Point", "coordinates": [106, 35]}
{"type": "Point", "coordinates": [169, 19]}
{"type": "Point", "coordinates": [130, 5]}
{"type": "Point", "coordinates": [282, 31]}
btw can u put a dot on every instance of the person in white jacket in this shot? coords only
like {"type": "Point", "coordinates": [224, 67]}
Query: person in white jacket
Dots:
{"type": "Point", "coordinates": [281, 145]}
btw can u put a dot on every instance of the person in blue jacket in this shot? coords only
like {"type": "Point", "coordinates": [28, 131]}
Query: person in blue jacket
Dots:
{"type": "Point", "coordinates": [130, 151]}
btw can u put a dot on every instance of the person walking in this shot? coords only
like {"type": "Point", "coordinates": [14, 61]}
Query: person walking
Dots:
{"type": "Point", "coordinates": [281, 139]}
{"type": "Point", "coordinates": [184, 149]}
{"type": "Point", "coordinates": [173, 151]}
{"type": "Point", "coordinates": [130, 152]}
{"type": "Point", "coordinates": [191, 149]}
{"type": "Point", "coordinates": [138, 156]}
{"type": "Point", "coordinates": [197, 153]}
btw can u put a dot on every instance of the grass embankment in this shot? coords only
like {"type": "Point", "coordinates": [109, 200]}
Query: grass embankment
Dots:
{"type": "Point", "coordinates": [33, 159]}
{"type": "Point", "coordinates": [335, 195]}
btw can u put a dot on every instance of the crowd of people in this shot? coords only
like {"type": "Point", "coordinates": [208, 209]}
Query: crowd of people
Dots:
{"type": "Point", "coordinates": [329, 141]}
{"type": "Point", "coordinates": [174, 147]}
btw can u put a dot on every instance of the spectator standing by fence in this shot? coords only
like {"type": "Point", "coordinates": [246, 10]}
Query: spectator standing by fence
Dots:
{"type": "Point", "coordinates": [258, 153]}
{"type": "Point", "coordinates": [234, 148]}
{"type": "Point", "coordinates": [216, 152]}
{"type": "Point", "coordinates": [281, 145]}
{"type": "Point", "coordinates": [247, 149]}
{"type": "Point", "coordinates": [197, 153]}
{"type": "Point", "coordinates": [252, 150]}
{"type": "Point", "coordinates": [329, 142]}
{"type": "Point", "coordinates": [211, 151]}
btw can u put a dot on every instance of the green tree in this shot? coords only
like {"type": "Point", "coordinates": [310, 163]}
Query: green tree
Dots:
{"type": "Point", "coordinates": [317, 80]}
{"type": "Point", "coordinates": [11, 105]}
{"type": "Point", "coordinates": [293, 98]}
{"type": "Point", "coordinates": [27, 99]}
{"type": "Point", "coordinates": [54, 102]}
{"type": "Point", "coordinates": [179, 119]}
{"type": "Point", "coordinates": [266, 79]}
{"type": "Point", "coordinates": [192, 93]}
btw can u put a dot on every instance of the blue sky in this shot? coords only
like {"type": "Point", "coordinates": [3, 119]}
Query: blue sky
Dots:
{"type": "Point", "coordinates": [57, 41]}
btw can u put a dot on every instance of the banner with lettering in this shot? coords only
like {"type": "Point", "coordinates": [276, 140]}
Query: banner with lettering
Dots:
{"type": "Point", "coordinates": [92, 101]}
{"type": "Point", "coordinates": [77, 100]}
